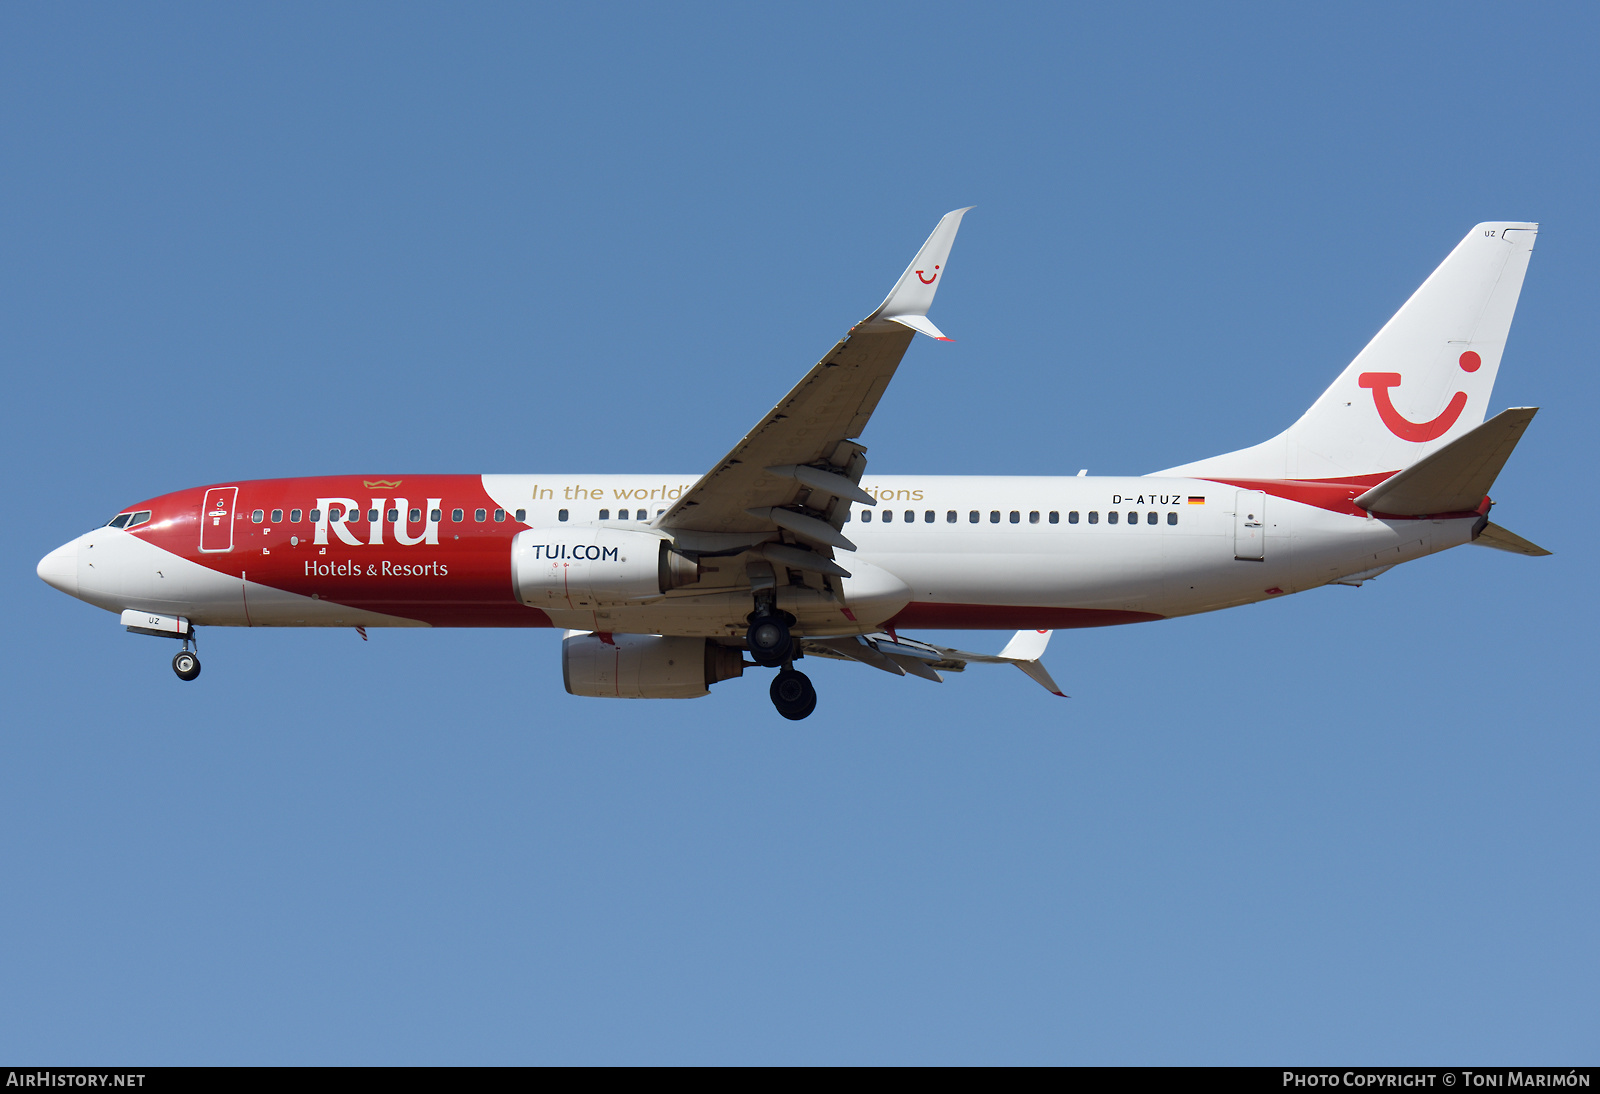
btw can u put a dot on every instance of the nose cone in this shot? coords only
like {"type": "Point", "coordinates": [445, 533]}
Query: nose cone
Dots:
{"type": "Point", "coordinates": [59, 568]}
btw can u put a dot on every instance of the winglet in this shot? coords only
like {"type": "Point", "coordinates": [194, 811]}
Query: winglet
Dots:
{"type": "Point", "coordinates": [1027, 645]}
{"type": "Point", "coordinates": [1024, 651]}
{"type": "Point", "coordinates": [912, 296]}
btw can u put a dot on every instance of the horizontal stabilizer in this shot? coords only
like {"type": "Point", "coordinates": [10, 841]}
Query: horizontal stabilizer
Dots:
{"type": "Point", "coordinates": [1501, 540]}
{"type": "Point", "coordinates": [1456, 478]}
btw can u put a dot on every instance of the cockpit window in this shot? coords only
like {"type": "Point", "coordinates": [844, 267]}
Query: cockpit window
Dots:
{"type": "Point", "coordinates": [119, 520]}
{"type": "Point", "coordinates": [141, 517]}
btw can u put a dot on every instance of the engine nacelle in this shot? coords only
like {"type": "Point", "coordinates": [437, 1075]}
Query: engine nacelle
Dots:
{"type": "Point", "coordinates": [582, 566]}
{"type": "Point", "coordinates": [644, 666]}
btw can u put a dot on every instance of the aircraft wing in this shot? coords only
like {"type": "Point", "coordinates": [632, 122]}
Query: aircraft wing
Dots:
{"type": "Point", "coordinates": [908, 657]}
{"type": "Point", "coordinates": [797, 471]}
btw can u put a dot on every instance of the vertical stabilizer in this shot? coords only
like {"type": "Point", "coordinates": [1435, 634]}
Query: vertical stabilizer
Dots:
{"type": "Point", "coordinates": [1423, 381]}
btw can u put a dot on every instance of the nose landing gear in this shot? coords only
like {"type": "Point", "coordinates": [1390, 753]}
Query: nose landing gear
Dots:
{"type": "Point", "coordinates": [186, 665]}
{"type": "Point", "coordinates": [186, 662]}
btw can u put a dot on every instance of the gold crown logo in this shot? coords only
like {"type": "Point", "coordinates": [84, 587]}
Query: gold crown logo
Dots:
{"type": "Point", "coordinates": [380, 484]}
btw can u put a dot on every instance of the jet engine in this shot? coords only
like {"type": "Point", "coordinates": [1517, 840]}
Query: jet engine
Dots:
{"type": "Point", "coordinates": [583, 566]}
{"type": "Point", "coordinates": [645, 666]}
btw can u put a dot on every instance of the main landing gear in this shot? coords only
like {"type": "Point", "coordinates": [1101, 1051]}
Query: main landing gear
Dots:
{"type": "Point", "coordinates": [768, 638]}
{"type": "Point", "coordinates": [793, 694]}
{"type": "Point", "coordinates": [773, 647]}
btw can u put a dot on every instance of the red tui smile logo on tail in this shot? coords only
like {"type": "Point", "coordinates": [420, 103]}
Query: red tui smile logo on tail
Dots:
{"type": "Point", "coordinates": [1399, 424]}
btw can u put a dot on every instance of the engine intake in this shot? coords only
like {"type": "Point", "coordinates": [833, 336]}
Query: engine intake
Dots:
{"type": "Point", "coordinates": [644, 666]}
{"type": "Point", "coordinates": [583, 566]}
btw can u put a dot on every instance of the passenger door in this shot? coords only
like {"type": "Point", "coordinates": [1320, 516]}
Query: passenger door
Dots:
{"type": "Point", "coordinates": [1250, 526]}
{"type": "Point", "coordinates": [216, 519]}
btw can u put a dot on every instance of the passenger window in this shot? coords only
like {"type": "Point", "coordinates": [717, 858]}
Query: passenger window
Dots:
{"type": "Point", "coordinates": [394, 515]}
{"type": "Point", "coordinates": [457, 515]}
{"type": "Point", "coordinates": [499, 514]}
{"type": "Point", "coordinates": [866, 516]}
{"type": "Point", "coordinates": [605, 514]}
{"type": "Point", "coordinates": [972, 517]}
{"type": "Point", "coordinates": [847, 516]}
{"type": "Point", "coordinates": [1072, 517]}
{"type": "Point", "coordinates": [414, 515]}
{"type": "Point", "coordinates": [562, 515]}
{"type": "Point", "coordinates": [927, 518]}
{"type": "Point", "coordinates": [1055, 517]}
{"type": "Point", "coordinates": [255, 516]}
{"type": "Point", "coordinates": [1033, 517]}
{"type": "Point", "coordinates": [481, 515]}
{"type": "Point", "coordinates": [1133, 518]}
{"type": "Point", "coordinates": [522, 515]}
{"type": "Point", "coordinates": [1152, 518]}
{"type": "Point", "coordinates": [119, 521]}
{"type": "Point", "coordinates": [1111, 518]}
{"type": "Point", "coordinates": [888, 515]}
{"type": "Point", "coordinates": [994, 516]}
{"type": "Point", "coordinates": [1172, 518]}
{"type": "Point", "coordinates": [1016, 517]}
{"type": "Point", "coordinates": [950, 517]}
{"type": "Point", "coordinates": [294, 516]}
{"type": "Point", "coordinates": [316, 516]}
{"type": "Point", "coordinates": [277, 516]}
{"type": "Point", "coordinates": [352, 516]}
{"type": "Point", "coordinates": [660, 512]}
{"type": "Point", "coordinates": [372, 515]}
{"type": "Point", "coordinates": [434, 515]}
{"type": "Point", "coordinates": [638, 514]}
{"type": "Point", "coordinates": [1094, 516]}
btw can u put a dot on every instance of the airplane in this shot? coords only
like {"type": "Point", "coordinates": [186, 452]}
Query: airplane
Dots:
{"type": "Point", "coordinates": [786, 548]}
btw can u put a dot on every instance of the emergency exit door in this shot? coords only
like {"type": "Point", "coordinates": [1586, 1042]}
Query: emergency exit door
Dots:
{"type": "Point", "coordinates": [216, 519]}
{"type": "Point", "coordinates": [1250, 526]}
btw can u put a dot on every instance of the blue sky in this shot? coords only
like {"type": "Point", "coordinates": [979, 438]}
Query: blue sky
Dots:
{"type": "Point", "coordinates": [245, 242]}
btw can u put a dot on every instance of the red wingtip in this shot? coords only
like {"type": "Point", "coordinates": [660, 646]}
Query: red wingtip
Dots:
{"type": "Point", "coordinates": [944, 339]}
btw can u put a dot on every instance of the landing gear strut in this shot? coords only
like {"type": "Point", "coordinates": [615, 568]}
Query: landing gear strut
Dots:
{"type": "Point", "coordinates": [186, 662]}
{"type": "Point", "coordinates": [793, 694]}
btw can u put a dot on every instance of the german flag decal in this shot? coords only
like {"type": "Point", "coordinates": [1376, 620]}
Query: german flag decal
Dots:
{"type": "Point", "coordinates": [1196, 501]}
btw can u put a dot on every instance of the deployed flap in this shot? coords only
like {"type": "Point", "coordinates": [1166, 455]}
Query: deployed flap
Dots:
{"type": "Point", "coordinates": [813, 425]}
{"type": "Point", "coordinates": [1456, 478]}
{"type": "Point", "coordinates": [1501, 540]}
